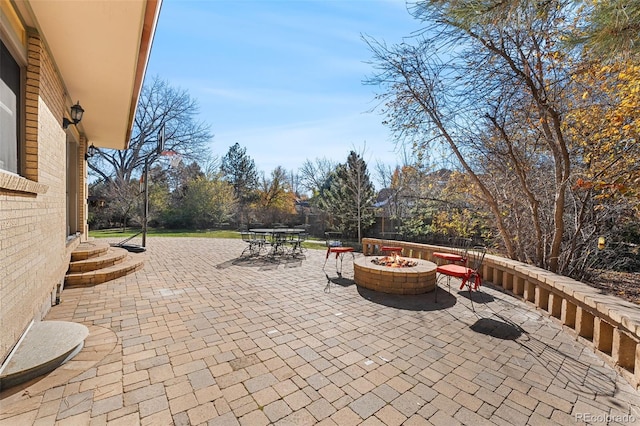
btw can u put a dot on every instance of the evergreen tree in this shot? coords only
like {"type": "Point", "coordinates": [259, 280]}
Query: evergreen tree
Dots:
{"type": "Point", "coordinates": [240, 171]}
{"type": "Point", "coordinates": [611, 28]}
{"type": "Point", "coordinates": [350, 196]}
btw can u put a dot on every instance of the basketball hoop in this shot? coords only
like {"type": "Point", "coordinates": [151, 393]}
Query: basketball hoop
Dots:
{"type": "Point", "coordinates": [174, 158]}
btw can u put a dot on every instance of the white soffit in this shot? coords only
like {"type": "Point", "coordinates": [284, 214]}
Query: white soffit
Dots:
{"type": "Point", "coordinates": [101, 48]}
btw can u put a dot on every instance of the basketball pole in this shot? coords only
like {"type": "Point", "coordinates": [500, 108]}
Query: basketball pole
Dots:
{"type": "Point", "coordinates": [159, 149]}
{"type": "Point", "coordinates": [146, 202]}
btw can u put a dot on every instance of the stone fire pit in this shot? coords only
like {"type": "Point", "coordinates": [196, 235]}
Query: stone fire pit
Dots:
{"type": "Point", "coordinates": [417, 279]}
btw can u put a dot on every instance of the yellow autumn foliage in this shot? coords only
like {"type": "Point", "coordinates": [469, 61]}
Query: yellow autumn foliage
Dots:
{"type": "Point", "coordinates": [604, 127]}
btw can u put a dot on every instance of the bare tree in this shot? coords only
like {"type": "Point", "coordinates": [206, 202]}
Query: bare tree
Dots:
{"type": "Point", "coordinates": [313, 175]}
{"type": "Point", "coordinates": [448, 88]}
{"type": "Point", "coordinates": [294, 183]}
{"type": "Point", "coordinates": [159, 105]}
{"type": "Point", "coordinates": [123, 201]}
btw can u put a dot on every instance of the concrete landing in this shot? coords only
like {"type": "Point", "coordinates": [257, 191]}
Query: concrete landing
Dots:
{"type": "Point", "coordinates": [46, 346]}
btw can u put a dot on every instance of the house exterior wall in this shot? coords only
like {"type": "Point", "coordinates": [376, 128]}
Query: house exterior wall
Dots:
{"type": "Point", "coordinates": [83, 190]}
{"type": "Point", "coordinates": [34, 250]}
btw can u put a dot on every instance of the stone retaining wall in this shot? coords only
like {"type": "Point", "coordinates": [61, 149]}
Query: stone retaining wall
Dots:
{"type": "Point", "coordinates": [610, 324]}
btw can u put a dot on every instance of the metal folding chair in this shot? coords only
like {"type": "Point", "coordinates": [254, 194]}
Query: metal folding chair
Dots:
{"type": "Point", "coordinates": [295, 241]}
{"type": "Point", "coordinates": [278, 242]}
{"type": "Point", "coordinates": [255, 243]}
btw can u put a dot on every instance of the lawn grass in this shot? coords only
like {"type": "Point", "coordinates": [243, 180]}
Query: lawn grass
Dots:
{"type": "Point", "coordinates": [118, 233]}
{"type": "Point", "coordinates": [218, 233]}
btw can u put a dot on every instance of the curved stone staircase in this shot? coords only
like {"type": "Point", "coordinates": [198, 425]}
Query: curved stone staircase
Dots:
{"type": "Point", "coordinates": [96, 262]}
{"type": "Point", "coordinates": [48, 344]}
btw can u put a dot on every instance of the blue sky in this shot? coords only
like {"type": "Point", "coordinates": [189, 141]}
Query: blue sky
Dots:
{"type": "Point", "coordinates": [283, 78]}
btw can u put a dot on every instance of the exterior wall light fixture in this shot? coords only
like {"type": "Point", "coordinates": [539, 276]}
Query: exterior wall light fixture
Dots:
{"type": "Point", "coordinates": [91, 151]}
{"type": "Point", "coordinates": [76, 116]}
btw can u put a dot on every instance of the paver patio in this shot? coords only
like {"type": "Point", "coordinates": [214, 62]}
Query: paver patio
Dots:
{"type": "Point", "coordinates": [199, 337]}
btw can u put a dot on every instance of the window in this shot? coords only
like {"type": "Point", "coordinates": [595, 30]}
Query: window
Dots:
{"type": "Point", "coordinates": [10, 107]}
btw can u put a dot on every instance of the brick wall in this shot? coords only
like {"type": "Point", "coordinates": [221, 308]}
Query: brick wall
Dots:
{"type": "Point", "coordinates": [34, 254]}
{"type": "Point", "coordinates": [30, 162]}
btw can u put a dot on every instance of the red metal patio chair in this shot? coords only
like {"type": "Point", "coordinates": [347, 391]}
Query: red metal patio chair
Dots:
{"type": "Point", "coordinates": [334, 245]}
{"type": "Point", "coordinates": [458, 253]}
{"type": "Point", "coordinates": [469, 273]}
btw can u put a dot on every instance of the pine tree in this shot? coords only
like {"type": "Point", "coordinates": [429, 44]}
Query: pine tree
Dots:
{"type": "Point", "coordinates": [240, 171]}
{"type": "Point", "coordinates": [349, 198]}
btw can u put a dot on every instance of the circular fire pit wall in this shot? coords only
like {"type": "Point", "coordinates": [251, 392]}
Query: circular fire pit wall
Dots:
{"type": "Point", "coordinates": [417, 279]}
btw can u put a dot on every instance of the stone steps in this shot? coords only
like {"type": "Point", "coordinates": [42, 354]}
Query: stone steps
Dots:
{"type": "Point", "coordinates": [88, 250]}
{"type": "Point", "coordinates": [105, 259]}
{"type": "Point", "coordinates": [97, 262]}
{"type": "Point", "coordinates": [48, 344]}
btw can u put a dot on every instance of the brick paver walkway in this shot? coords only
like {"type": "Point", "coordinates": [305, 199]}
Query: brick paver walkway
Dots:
{"type": "Point", "coordinates": [198, 337]}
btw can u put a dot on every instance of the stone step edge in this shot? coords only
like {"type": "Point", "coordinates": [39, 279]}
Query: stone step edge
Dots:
{"type": "Point", "coordinates": [111, 257]}
{"type": "Point", "coordinates": [89, 249]}
{"type": "Point", "coordinates": [131, 264]}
